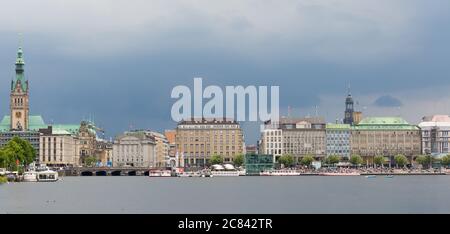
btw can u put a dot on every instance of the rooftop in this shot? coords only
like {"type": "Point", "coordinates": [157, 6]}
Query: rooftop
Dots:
{"type": "Point", "coordinates": [384, 123]}
{"type": "Point", "coordinates": [338, 126]}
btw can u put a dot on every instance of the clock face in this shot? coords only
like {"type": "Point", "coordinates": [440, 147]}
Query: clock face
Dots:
{"type": "Point", "coordinates": [18, 114]}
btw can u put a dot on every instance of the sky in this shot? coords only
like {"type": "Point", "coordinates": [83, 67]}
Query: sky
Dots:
{"type": "Point", "coordinates": [116, 61]}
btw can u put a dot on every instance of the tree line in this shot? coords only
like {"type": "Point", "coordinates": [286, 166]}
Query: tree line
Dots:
{"type": "Point", "coordinates": [400, 160]}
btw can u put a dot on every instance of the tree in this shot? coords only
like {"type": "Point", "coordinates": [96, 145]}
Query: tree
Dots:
{"type": "Point", "coordinates": [13, 152]}
{"type": "Point", "coordinates": [16, 150]}
{"type": "Point", "coordinates": [307, 160]}
{"type": "Point", "coordinates": [424, 160]}
{"type": "Point", "coordinates": [90, 161]}
{"type": "Point", "coordinates": [238, 160]}
{"type": "Point", "coordinates": [4, 160]}
{"type": "Point", "coordinates": [400, 160]}
{"type": "Point", "coordinates": [356, 160]}
{"type": "Point", "coordinates": [29, 154]}
{"type": "Point", "coordinates": [287, 160]}
{"type": "Point", "coordinates": [445, 160]}
{"type": "Point", "coordinates": [379, 160]}
{"type": "Point", "coordinates": [333, 159]}
{"type": "Point", "coordinates": [216, 159]}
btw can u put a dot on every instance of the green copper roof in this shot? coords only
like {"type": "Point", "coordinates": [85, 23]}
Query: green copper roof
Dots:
{"type": "Point", "coordinates": [35, 122]}
{"type": "Point", "coordinates": [65, 129]}
{"type": "Point", "coordinates": [384, 123]}
{"type": "Point", "coordinates": [333, 126]}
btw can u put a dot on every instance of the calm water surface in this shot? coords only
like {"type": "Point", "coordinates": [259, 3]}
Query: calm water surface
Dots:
{"type": "Point", "coordinates": [401, 194]}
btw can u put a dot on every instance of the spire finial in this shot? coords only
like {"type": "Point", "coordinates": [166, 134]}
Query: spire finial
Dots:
{"type": "Point", "coordinates": [20, 40]}
{"type": "Point", "coordinates": [348, 89]}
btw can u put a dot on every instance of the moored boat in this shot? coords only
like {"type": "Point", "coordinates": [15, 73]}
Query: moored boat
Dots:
{"type": "Point", "coordinates": [30, 176]}
{"type": "Point", "coordinates": [224, 173]}
{"type": "Point", "coordinates": [47, 176]}
{"type": "Point", "coordinates": [160, 173]}
{"type": "Point", "coordinates": [340, 174]}
{"type": "Point", "coordinates": [280, 173]}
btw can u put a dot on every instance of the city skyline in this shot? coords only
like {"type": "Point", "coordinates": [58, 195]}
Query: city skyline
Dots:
{"type": "Point", "coordinates": [395, 60]}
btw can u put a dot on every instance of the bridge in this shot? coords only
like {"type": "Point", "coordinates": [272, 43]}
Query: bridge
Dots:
{"type": "Point", "coordinates": [108, 171]}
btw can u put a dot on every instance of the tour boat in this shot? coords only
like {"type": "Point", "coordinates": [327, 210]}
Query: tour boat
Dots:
{"type": "Point", "coordinates": [340, 174]}
{"type": "Point", "coordinates": [389, 176]}
{"type": "Point", "coordinates": [371, 176]}
{"type": "Point", "coordinates": [280, 173]}
{"type": "Point", "coordinates": [224, 173]}
{"type": "Point", "coordinates": [30, 176]}
{"type": "Point", "coordinates": [47, 176]}
{"type": "Point", "coordinates": [160, 173]}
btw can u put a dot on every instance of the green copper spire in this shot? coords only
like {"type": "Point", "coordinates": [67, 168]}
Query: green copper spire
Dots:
{"type": "Point", "coordinates": [20, 76]}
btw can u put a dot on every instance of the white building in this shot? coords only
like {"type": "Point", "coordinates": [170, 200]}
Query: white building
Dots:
{"type": "Point", "coordinates": [435, 135]}
{"type": "Point", "coordinates": [272, 142]}
{"type": "Point", "coordinates": [136, 149]}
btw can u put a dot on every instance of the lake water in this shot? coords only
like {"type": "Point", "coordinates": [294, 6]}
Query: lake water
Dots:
{"type": "Point", "coordinates": [401, 194]}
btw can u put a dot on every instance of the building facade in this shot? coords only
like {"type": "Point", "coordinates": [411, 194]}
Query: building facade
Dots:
{"type": "Point", "coordinates": [57, 148]}
{"type": "Point", "coordinates": [295, 136]}
{"type": "Point", "coordinates": [338, 140]}
{"type": "Point", "coordinates": [104, 151]}
{"type": "Point", "coordinates": [435, 135]}
{"type": "Point", "coordinates": [162, 148]}
{"type": "Point", "coordinates": [198, 139]}
{"type": "Point", "coordinates": [272, 141]}
{"type": "Point", "coordinates": [385, 136]}
{"type": "Point", "coordinates": [134, 149]}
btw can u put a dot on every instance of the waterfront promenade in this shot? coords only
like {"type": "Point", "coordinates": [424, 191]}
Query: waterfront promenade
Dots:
{"type": "Point", "coordinates": [132, 171]}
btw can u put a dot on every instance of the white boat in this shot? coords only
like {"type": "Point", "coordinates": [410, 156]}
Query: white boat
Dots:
{"type": "Point", "coordinates": [340, 174]}
{"type": "Point", "coordinates": [30, 176]}
{"type": "Point", "coordinates": [280, 173]}
{"type": "Point", "coordinates": [47, 176]}
{"type": "Point", "coordinates": [160, 173]}
{"type": "Point", "coordinates": [224, 173]}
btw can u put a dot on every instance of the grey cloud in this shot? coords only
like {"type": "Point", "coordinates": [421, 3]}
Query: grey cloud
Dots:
{"type": "Point", "coordinates": [387, 101]}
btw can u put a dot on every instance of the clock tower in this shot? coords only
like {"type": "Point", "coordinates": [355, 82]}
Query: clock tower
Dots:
{"type": "Point", "coordinates": [19, 105]}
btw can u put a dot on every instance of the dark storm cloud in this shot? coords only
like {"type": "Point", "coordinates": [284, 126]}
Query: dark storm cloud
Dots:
{"type": "Point", "coordinates": [387, 101]}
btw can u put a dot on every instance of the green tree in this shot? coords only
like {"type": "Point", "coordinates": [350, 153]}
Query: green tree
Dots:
{"type": "Point", "coordinates": [307, 160]}
{"type": "Point", "coordinates": [445, 160]}
{"type": "Point", "coordinates": [356, 160]}
{"type": "Point", "coordinates": [333, 159]}
{"type": "Point", "coordinates": [11, 153]}
{"type": "Point", "coordinates": [379, 160]}
{"type": "Point", "coordinates": [400, 160]}
{"type": "Point", "coordinates": [90, 161]}
{"type": "Point", "coordinates": [238, 160]}
{"type": "Point", "coordinates": [287, 160]}
{"type": "Point", "coordinates": [3, 180]}
{"type": "Point", "coordinates": [424, 160]}
{"type": "Point", "coordinates": [216, 159]}
{"type": "Point", "coordinates": [29, 153]}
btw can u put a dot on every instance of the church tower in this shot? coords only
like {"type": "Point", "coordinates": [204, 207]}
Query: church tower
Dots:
{"type": "Point", "coordinates": [19, 105]}
{"type": "Point", "coordinates": [348, 118]}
